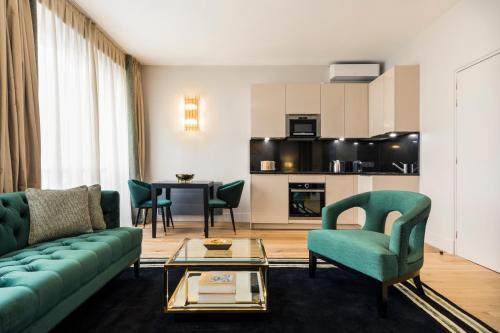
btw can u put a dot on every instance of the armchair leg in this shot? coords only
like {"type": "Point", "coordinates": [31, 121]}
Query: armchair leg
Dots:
{"type": "Point", "coordinates": [137, 217]}
{"type": "Point", "coordinates": [418, 285]}
{"type": "Point", "coordinates": [232, 219]}
{"type": "Point", "coordinates": [145, 218]}
{"type": "Point", "coordinates": [211, 217]}
{"type": "Point", "coordinates": [169, 212]}
{"type": "Point", "coordinates": [162, 209]}
{"type": "Point", "coordinates": [382, 299]}
{"type": "Point", "coordinates": [312, 264]}
{"type": "Point", "coordinates": [137, 266]}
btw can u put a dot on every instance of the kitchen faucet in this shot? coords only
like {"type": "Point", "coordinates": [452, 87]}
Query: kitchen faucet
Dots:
{"type": "Point", "coordinates": [403, 169]}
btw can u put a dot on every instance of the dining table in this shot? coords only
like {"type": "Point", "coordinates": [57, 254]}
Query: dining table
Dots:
{"type": "Point", "coordinates": [208, 193]}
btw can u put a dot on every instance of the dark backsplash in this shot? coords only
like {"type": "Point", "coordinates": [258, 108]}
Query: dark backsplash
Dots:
{"type": "Point", "coordinates": [377, 155]}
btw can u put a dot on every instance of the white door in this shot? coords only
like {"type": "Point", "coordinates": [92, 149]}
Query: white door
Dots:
{"type": "Point", "coordinates": [478, 163]}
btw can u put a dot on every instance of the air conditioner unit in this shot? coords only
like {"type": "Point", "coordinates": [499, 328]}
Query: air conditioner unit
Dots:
{"type": "Point", "coordinates": [354, 72]}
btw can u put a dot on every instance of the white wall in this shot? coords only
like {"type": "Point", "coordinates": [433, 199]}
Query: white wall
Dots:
{"type": "Point", "coordinates": [220, 150]}
{"type": "Point", "coordinates": [469, 30]}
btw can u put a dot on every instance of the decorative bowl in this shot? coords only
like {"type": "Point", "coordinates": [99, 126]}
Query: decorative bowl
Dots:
{"type": "Point", "coordinates": [217, 244]}
{"type": "Point", "coordinates": [184, 177]}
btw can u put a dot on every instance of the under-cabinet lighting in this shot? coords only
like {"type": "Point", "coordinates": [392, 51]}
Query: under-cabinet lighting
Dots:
{"type": "Point", "coordinates": [266, 139]}
{"type": "Point", "coordinates": [341, 139]}
{"type": "Point", "coordinates": [356, 143]}
{"type": "Point", "coordinates": [393, 135]}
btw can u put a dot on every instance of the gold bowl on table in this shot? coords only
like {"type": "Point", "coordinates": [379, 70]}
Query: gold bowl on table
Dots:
{"type": "Point", "coordinates": [217, 244]}
{"type": "Point", "coordinates": [184, 177]}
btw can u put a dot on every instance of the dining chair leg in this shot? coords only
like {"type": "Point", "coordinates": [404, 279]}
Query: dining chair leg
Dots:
{"type": "Point", "coordinates": [162, 210]}
{"type": "Point", "coordinates": [211, 217]}
{"type": "Point", "coordinates": [171, 218]}
{"type": "Point", "coordinates": [145, 217]}
{"type": "Point", "coordinates": [137, 217]}
{"type": "Point", "coordinates": [232, 219]}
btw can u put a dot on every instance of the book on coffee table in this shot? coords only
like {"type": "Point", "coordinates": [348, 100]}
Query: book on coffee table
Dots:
{"type": "Point", "coordinates": [217, 282]}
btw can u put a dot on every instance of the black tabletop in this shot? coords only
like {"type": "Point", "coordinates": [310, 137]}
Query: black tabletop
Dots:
{"type": "Point", "coordinates": [175, 182]}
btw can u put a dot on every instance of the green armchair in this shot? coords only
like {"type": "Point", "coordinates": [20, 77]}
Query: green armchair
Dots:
{"type": "Point", "coordinates": [140, 196]}
{"type": "Point", "coordinates": [384, 259]}
{"type": "Point", "coordinates": [228, 196]}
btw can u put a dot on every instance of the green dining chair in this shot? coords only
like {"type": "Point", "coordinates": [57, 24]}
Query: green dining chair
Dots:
{"type": "Point", "coordinates": [228, 196]}
{"type": "Point", "coordinates": [140, 196]}
{"type": "Point", "coordinates": [385, 260]}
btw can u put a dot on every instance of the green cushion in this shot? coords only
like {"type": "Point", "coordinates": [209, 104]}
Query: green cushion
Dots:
{"type": "Point", "coordinates": [217, 203]}
{"type": "Point", "coordinates": [161, 203]}
{"type": "Point", "coordinates": [37, 278]}
{"type": "Point", "coordinates": [364, 251]}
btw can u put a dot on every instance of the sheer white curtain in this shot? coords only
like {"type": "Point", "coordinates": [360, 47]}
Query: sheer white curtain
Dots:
{"type": "Point", "coordinates": [83, 112]}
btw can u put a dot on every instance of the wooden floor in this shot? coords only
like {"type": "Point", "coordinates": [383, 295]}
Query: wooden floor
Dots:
{"type": "Point", "coordinates": [474, 288]}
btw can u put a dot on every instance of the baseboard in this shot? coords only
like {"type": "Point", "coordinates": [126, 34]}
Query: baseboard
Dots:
{"type": "Point", "coordinates": [441, 243]}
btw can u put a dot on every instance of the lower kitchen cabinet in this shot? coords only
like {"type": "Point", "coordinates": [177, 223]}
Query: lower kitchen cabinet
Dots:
{"type": "Point", "coordinates": [339, 187]}
{"type": "Point", "coordinates": [269, 199]}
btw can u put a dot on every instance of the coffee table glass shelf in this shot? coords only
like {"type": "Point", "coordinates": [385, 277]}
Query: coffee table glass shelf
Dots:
{"type": "Point", "coordinates": [246, 257]}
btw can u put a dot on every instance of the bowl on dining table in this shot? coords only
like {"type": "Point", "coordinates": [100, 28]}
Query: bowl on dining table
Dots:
{"type": "Point", "coordinates": [184, 177]}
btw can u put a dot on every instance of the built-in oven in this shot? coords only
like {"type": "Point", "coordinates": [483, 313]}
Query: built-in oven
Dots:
{"type": "Point", "coordinates": [303, 126]}
{"type": "Point", "coordinates": [305, 200]}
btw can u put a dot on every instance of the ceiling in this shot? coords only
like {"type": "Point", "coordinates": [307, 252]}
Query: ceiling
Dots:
{"type": "Point", "coordinates": [262, 32]}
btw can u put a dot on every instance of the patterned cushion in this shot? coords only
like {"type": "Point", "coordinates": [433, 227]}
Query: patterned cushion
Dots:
{"type": "Point", "coordinates": [95, 210]}
{"type": "Point", "coordinates": [57, 213]}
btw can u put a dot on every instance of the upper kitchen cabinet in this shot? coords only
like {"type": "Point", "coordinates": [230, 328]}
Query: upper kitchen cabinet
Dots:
{"type": "Point", "coordinates": [332, 110]}
{"type": "Point", "coordinates": [303, 98]}
{"type": "Point", "coordinates": [268, 111]}
{"type": "Point", "coordinates": [344, 110]}
{"type": "Point", "coordinates": [356, 110]}
{"type": "Point", "coordinates": [395, 101]}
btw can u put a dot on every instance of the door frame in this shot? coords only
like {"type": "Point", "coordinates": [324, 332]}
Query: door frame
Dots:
{"type": "Point", "coordinates": [455, 142]}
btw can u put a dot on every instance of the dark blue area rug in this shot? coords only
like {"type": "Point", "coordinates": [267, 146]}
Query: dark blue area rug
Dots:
{"type": "Point", "coordinates": [334, 301]}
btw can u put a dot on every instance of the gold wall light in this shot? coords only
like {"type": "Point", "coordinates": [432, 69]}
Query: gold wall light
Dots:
{"type": "Point", "coordinates": [191, 113]}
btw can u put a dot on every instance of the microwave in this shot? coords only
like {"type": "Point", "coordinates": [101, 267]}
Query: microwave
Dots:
{"type": "Point", "coordinates": [304, 126]}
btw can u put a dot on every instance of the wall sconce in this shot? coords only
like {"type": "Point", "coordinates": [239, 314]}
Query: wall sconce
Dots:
{"type": "Point", "coordinates": [191, 113]}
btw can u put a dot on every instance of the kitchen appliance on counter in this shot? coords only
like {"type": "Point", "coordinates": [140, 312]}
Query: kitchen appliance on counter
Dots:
{"type": "Point", "coordinates": [303, 126]}
{"type": "Point", "coordinates": [305, 200]}
{"type": "Point", "coordinates": [267, 165]}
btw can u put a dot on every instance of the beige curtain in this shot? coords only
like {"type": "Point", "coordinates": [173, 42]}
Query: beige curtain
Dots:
{"type": "Point", "coordinates": [73, 17]}
{"type": "Point", "coordinates": [19, 118]}
{"type": "Point", "coordinates": [137, 141]}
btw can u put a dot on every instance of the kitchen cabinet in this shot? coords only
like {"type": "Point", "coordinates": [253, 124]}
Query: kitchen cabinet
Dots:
{"type": "Point", "coordinates": [269, 199]}
{"type": "Point", "coordinates": [400, 183]}
{"type": "Point", "coordinates": [339, 187]}
{"type": "Point", "coordinates": [356, 110]}
{"type": "Point", "coordinates": [376, 106]}
{"type": "Point", "coordinates": [303, 98]}
{"type": "Point", "coordinates": [268, 111]}
{"type": "Point", "coordinates": [394, 101]}
{"type": "Point", "coordinates": [332, 110]}
{"type": "Point", "coordinates": [344, 110]}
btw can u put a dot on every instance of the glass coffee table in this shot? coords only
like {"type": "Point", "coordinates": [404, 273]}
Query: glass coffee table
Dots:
{"type": "Point", "coordinates": [246, 258]}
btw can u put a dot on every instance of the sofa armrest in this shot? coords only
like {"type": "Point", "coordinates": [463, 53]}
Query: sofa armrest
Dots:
{"type": "Point", "coordinates": [110, 203]}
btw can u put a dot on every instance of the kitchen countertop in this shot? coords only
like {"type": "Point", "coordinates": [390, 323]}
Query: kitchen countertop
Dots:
{"type": "Point", "coordinates": [376, 173]}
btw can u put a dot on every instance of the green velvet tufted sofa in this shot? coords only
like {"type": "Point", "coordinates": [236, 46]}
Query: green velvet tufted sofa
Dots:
{"type": "Point", "coordinates": [41, 284]}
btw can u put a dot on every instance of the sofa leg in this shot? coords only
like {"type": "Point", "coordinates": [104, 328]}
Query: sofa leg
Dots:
{"type": "Point", "coordinates": [137, 266]}
{"type": "Point", "coordinates": [382, 299]}
{"type": "Point", "coordinates": [418, 285]}
{"type": "Point", "coordinates": [312, 264]}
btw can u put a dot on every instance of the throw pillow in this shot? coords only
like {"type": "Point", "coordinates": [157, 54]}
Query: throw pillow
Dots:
{"type": "Point", "coordinates": [57, 213]}
{"type": "Point", "coordinates": [95, 209]}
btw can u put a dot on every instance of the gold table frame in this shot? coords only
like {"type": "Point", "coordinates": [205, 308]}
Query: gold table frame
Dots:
{"type": "Point", "coordinates": [194, 267]}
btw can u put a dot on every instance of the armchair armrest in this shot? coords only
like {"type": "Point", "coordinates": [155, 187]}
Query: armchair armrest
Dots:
{"type": "Point", "coordinates": [110, 203]}
{"type": "Point", "coordinates": [330, 213]}
{"type": "Point", "coordinates": [408, 231]}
